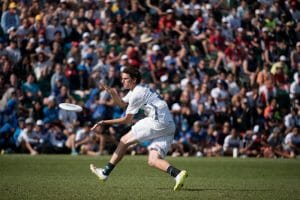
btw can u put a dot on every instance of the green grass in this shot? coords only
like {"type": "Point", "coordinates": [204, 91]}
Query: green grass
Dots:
{"type": "Point", "coordinates": [67, 177]}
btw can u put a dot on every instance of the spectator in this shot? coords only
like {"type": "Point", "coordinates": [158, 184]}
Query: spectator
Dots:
{"type": "Point", "coordinates": [28, 138]}
{"type": "Point", "coordinates": [10, 18]}
{"type": "Point", "coordinates": [231, 141]}
{"type": "Point", "coordinates": [196, 138]}
{"type": "Point", "coordinates": [274, 142]}
{"type": "Point", "coordinates": [291, 142]}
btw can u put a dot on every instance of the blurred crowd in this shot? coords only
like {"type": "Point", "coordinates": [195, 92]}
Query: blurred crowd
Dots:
{"type": "Point", "coordinates": [228, 69]}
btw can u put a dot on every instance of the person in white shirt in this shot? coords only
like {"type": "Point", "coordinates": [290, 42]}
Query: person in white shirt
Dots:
{"type": "Point", "coordinates": [289, 144]}
{"type": "Point", "coordinates": [28, 138]}
{"type": "Point", "coordinates": [231, 141]}
{"type": "Point", "coordinates": [157, 127]}
{"type": "Point", "coordinates": [220, 96]}
{"type": "Point", "coordinates": [295, 88]}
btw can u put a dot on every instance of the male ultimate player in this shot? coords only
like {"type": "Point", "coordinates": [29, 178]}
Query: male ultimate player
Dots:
{"type": "Point", "coordinates": [157, 127]}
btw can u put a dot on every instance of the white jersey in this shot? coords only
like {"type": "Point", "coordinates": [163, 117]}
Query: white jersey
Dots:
{"type": "Point", "coordinates": [147, 99]}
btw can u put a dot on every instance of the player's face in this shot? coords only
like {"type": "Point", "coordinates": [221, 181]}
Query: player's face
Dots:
{"type": "Point", "coordinates": [128, 82]}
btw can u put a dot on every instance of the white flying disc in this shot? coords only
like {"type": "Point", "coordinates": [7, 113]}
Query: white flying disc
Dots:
{"type": "Point", "coordinates": [70, 107]}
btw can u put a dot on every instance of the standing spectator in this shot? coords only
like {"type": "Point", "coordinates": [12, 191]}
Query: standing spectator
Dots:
{"type": "Point", "coordinates": [10, 18]}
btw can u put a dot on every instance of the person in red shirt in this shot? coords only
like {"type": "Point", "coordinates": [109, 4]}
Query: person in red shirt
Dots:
{"type": "Point", "coordinates": [217, 40]}
{"type": "Point", "coordinates": [167, 20]}
{"type": "Point", "coordinates": [233, 57]}
{"type": "Point", "coordinates": [72, 74]}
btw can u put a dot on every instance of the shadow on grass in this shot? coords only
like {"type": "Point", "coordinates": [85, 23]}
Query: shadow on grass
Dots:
{"type": "Point", "coordinates": [220, 189]}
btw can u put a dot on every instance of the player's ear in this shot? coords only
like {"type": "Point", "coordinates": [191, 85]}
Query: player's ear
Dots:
{"type": "Point", "coordinates": [134, 80]}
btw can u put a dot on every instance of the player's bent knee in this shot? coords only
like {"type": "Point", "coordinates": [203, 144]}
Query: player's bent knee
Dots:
{"type": "Point", "coordinates": [152, 159]}
{"type": "Point", "coordinates": [151, 162]}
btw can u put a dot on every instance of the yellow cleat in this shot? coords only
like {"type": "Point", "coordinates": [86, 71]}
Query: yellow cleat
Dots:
{"type": "Point", "coordinates": [98, 172]}
{"type": "Point", "coordinates": [180, 178]}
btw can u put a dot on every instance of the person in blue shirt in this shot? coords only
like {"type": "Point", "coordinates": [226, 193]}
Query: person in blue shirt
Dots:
{"type": "Point", "coordinates": [196, 138]}
{"type": "Point", "coordinates": [10, 18]}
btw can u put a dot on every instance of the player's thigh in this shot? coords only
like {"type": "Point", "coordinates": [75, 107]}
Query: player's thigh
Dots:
{"type": "Point", "coordinates": [148, 129]}
{"type": "Point", "coordinates": [160, 145]}
{"type": "Point", "coordinates": [129, 138]}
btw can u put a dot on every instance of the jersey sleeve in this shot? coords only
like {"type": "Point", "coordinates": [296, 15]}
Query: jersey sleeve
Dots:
{"type": "Point", "coordinates": [126, 97]}
{"type": "Point", "coordinates": [136, 101]}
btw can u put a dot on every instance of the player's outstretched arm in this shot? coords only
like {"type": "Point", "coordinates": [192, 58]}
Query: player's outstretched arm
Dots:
{"type": "Point", "coordinates": [123, 120]}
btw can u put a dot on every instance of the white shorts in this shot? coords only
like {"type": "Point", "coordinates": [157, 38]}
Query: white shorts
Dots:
{"type": "Point", "coordinates": [160, 135]}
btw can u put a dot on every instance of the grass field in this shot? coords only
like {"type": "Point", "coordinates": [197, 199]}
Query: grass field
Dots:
{"type": "Point", "coordinates": [67, 177]}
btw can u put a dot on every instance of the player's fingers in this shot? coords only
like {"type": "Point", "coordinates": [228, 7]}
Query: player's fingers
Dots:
{"type": "Point", "coordinates": [94, 127]}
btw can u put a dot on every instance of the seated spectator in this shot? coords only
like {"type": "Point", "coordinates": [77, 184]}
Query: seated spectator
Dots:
{"type": "Point", "coordinates": [31, 89]}
{"type": "Point", "coordinates": [90, 146]}
{"type": "Point", "coordinates": [211, 141]}
{"type": "Point", "coordinates": [28, 138]}
{"type": "Point", "coordinates": [41, 65]}
{"type": "Point", "coordinates": [50, 110]}
{"type": "Point", "coordinates": [71, 74]}
{"type": "Point", "coordinates": [252, 143]}
{"type": "Point", "coordinates": [107, 139]}
{"type": "Point", "coordinates": [81, 138]}
{"type": "Point", "coordinates": [280, 63]}
{"type": "Point", "coordinates": [58, 76]}
{"type": "Point", "coordinates": [295, 89]}
{"type": "Point", "coordinates": [291, 143]}
{"type": "Point", "coordinates": [231, 142]}
{"type": "Point", "coordinates": [60, 143]}
{"type": "Point", "coordinates": [220, 96]}
{"type": "Point", "coordinates": [196, 139]}
{"type": "Point", "coordinates": [274, 142]}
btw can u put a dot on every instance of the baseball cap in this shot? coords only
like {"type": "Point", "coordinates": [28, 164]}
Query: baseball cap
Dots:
{"type": "Point", "coordinates": [38, 17]}
{"type": "Point", "coordinates": [39, 122]}
{"type": "Point", "coordinates": [11, 29]}
{"type": "Point", "coordinates": [276, 130]}
{"type": "Point", "coordinates": [208, 6]}
{"type": "Point", "coordinates": [29, 121]}
{"type": "Point", "coordinates": [88, 56]}
{"type": "Point", "coordinates": [265, 29]}
{"type": "Point", "coordinates": [42, 40]}
{"type": "Point", "coordinates": [156, 47]}
{"type": "Point", "coordinates": [197, 7]}
{"type": "Point", "coordinates": [176, 107]}
{"type": "Point", "coordinates": [71, 60]}
{"type": "Point", "coordinates": [186, 6]}
{"type": "Point", "coordinates": [282, 58]}
{"type": "Point", "coordinates": [85, 34]}
{"type": "Point", "coordinates": [169, 11]}
{"type": "Point", "coordinates": [240, 29]}
{"type": "Point", "coordinates": [124, 57]}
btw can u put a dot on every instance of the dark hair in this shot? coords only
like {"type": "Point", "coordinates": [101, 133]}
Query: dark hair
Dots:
{"type": "Point", "coordinates": [133, 73]}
